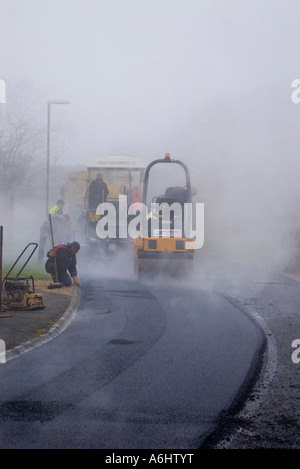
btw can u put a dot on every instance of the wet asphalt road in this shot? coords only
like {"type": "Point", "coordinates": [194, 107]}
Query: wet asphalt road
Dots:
{"type": "Point", "coordinates": [140, 366]}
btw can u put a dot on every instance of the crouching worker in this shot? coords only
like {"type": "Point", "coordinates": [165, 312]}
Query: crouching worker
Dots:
{"type": "Point", "coordinates": [65, 255]}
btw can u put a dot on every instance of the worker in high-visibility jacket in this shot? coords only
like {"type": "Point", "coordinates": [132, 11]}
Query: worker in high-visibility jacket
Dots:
{"type": "Point", "coordinates": [57, 209]}
{"type": "Point", "coordinates": [58, 219]}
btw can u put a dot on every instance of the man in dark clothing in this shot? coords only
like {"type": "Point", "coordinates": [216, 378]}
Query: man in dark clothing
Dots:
{"type": "Point", "coordinates": [65, 255]}
{"type": "Point", "coordinates": [179, 193]}
{"type": "Point", "coordinates": [98, 192]}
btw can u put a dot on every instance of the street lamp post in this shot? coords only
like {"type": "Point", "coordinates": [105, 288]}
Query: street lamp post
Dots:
{"type": "Point", "coordinates": [53, 101]}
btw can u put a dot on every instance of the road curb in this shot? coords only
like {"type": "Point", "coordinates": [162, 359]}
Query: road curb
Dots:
{"type": "Point", "coordinates": [60, 325]}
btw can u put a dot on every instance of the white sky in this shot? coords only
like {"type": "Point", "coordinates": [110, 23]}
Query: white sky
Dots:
{"type": "Point", "coordinates": [136, 71]}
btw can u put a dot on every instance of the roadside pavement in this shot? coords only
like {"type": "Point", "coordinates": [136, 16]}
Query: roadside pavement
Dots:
{"type": "Point", "coordinates": [22, 330]}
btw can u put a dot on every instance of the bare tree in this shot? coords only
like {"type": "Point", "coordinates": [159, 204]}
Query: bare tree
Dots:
{"type": "Point", "coordinates": [21, 143]}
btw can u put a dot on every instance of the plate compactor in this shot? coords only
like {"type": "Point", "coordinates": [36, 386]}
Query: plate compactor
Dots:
{"type": "Point", "coordinates": [19, 292]}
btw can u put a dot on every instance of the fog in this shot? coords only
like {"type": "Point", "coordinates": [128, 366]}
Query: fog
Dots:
{"type": "Point", "coordinates": [207, 81]}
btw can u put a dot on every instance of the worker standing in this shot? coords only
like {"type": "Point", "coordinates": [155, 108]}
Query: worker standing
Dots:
{"type": "Point", "coordinates": [65, 233]}
{"type": "Point", "coordinates": [57, 209]}
{"type": "Point", "coordinates": [66, 263]}
{"type": "Point", "coordinates": [59, 221]}
{"type": "Point", "coordinates": [98, 192]}
{"type": "Point", "coordinates": [179, 193]}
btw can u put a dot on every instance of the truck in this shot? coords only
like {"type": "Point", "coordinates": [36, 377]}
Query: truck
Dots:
{"type": "Point", "coordinates": [123, 176]}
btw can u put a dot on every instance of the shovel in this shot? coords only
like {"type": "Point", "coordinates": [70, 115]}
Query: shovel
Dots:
{"type": "Point", "coordinates": [56, 284]}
